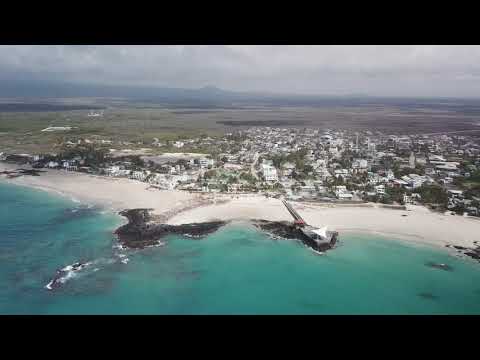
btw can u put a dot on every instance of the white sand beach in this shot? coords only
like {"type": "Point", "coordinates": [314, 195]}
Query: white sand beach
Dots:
{"type": "Point", "coordinates": [113, 193]}
{"type": "Point", "coordinates": [419, 225]}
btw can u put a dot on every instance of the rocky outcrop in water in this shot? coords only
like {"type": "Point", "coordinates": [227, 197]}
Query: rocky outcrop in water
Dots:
{"type": "Point", "coordinates": [287, 230]}
{"type": "Point", "coordinates": [282, 229]}
{"type": "Point", "coordinates": [62, 275]}
{"type": "Point", "coordinates": [142, 231]}
{"type": "Point", "coordinates": [474, 252]}
{"type": "Point", "coordinates": [439, 266]}
{"type": "Point", "coordinates": [427, 295]}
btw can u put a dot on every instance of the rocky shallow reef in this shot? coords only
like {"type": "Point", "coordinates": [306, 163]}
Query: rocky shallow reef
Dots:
{"type": "Point", "coordinates": [287, 230]}
{"type": "Point", "coordinates": [281, 229]}
{"type": "Point", "coordinates": [473, 252]}
{"type": "Point", "coordinates": [142, 230]}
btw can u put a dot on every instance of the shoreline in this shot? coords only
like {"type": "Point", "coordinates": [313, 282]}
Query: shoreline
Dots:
{"type": "Point", "coordinates": [415, 224]}
{"type": "Point", "coordinates": [113, 194]}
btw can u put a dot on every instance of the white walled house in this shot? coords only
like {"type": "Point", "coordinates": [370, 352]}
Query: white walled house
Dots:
{"type": "Point", "coordinates": [390, 175]}
{"type": "Point", "coordinates": [112, 170]}
{"type": "Point", "coordinates": [359, 165]}
{"type": "Point", "coordinates": [341, 172]}
{"type": "Point", "coordinates": [269, 173]}
{"type": "Point", "coordinates": [139, 175]}
{"type": "Point", "coordinates": [204, 162]}
{"type": "Point", "coordinates": [341, 192]}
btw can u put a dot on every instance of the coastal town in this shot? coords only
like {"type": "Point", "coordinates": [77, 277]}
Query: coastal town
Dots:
{"type": "Point", "coordinates": [239, 180]}
{"type": "Point", "coordinates": [441, 171]}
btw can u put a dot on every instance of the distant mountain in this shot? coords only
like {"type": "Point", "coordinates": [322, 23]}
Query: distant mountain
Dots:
{"type": "Point", "coordinates": [211, 89]}
{"type": "Point", "coordinates": [207, 96]}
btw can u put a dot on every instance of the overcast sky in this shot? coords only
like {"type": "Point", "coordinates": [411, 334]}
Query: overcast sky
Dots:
{"type": "Point", "coordinates": [371, 70]}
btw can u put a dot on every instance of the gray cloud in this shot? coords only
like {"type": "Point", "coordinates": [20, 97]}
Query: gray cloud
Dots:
{"type": "Point", "coordinates": [373, 70]}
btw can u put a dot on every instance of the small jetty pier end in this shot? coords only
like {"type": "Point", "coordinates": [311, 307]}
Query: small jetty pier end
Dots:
{"type": "Point", "coordinates": [319, 239]}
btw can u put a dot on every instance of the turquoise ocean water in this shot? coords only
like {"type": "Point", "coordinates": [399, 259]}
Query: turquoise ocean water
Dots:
{"type": "Point", "coordinates": [237, 270]}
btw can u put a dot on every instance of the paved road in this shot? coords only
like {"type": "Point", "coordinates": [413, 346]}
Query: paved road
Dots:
{"type": "Point", "coordinates": [252, 168]}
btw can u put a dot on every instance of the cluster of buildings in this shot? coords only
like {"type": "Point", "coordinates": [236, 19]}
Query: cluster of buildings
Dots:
{"type": "Point", "coordinates": [315, 164]}
{"type": "Point", "coordinates": [171, 175]}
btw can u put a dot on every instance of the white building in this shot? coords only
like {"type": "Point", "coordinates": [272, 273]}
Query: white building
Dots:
{"type": "Point", "coordinates": [447, 166]}
{"type": "Point", "coordinates": [455, 193]}
{"type": "Point", "coordinates": [70, 166]}
{"type": "Point", "coordinates": [359, 165]}
{"type": "Point", "coordinates": [139, 175]}
{"type": "Point", "coordinates": [341, 192]}
{"type": "Point", "coordinates": [163, 181]}
{"type": "Point", "coordinates": [371, 147]}
{"type": "Point", "coordinates": [345, 196]}
{"type": "Point", "coordinates": [341, 172]}
{"type": "Point", "coordinates": [204, 162]}
{"type": "Point", "coordinates": [112, 170]}
{"type": "Point", "coordinates": [374, 178]}
{"type": "Point", "coordinates": [412, 160]}
{"type": "Point", "coordinates": [446, 180]}
{"type": "Point", "coordinates": [390, 175]}
{"type": "Point", "coordinates": [53, 164]}
{"type": "Point", "coordinates": [57, 128]}
{"type": "Point", "coordinates": [323, 173]}
{"type": "Point", "coordinates": [411, 199]}
{"type": "Point", "coordinates": [269, 173]}
{"type": "Point", "coordinates": [436, 158]}
{"type": "Point", "coordinates": [416, 180]}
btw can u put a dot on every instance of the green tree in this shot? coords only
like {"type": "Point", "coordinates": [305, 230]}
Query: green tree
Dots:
{"type": "Point", "coordinates": [224, 187]}
{"type": "Point", "coordinates": [433, 194]}
{"type": "Point", "coordinates": [277, 186]}
{"type": "Point", "coordinates": [278, 160]}
{"type": "Point", "coordinates": [386, 199]}
{"type": "Point", "coordinates": [308, 168]}
{"type": "Point", "coordinates": [396, 194]}
{"type": "Point", "coordinates": [248, 177]}
{"type": "Point", "coordinates": [473, 190]}
{"type": "Point", "coordinates": [475, 176]}
{"type": "Point", "coordinates": [210, 174]}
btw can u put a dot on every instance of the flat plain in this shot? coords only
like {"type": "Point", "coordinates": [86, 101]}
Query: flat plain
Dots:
{"type": "Point", "coordinates": [134, 121]}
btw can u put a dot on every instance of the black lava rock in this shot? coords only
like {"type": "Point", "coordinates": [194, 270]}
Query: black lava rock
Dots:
{"type": "Point", "coordinates": [140, 232]}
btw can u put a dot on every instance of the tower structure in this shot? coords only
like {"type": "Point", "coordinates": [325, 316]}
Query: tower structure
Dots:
{"type": "Point", "coordinates": [412, 160]}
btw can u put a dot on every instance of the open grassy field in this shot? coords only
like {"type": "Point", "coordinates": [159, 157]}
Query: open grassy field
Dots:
{"type": "Point", "coordinates": [135, 121]}
{"type": "Point", "coordinates": [22, 132]}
